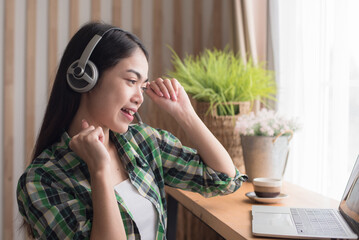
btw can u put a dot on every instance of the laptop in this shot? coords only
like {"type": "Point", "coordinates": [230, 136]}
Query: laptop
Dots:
{"type": "Point", "coordinates": [312, 223]}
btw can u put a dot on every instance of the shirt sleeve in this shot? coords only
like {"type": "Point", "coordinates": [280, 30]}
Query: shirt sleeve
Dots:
{"type": "Point", "coordinates": [52, 211]}
{"type": "Point", "coordinates": [183, 168]}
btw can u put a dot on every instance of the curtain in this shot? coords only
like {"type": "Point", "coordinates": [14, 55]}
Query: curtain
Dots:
{"type": "Point", "coordinates": [250, 31]}
{"type": "Point", "coordinates": [243, 32]}
{"type": "Point", "coordinates": [311, 55]}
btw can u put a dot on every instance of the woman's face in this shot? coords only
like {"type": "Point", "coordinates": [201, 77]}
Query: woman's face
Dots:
{"type": "Point", "coordinates": [119, 93]}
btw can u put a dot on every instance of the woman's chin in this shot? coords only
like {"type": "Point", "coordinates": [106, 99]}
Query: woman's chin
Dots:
{"type": "Point", "coordinates": [121, 129]}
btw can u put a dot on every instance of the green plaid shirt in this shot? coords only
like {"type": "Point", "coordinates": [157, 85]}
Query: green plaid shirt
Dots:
{"type": "Point", "coordinates": [54, 193]}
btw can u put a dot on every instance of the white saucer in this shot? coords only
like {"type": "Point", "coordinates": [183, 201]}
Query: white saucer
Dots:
{"type": "Point", "coordinates": [253, 196]}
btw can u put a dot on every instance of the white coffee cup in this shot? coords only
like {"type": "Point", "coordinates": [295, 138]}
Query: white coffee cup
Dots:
{"type": "Point", "coordinates": [267, 187]}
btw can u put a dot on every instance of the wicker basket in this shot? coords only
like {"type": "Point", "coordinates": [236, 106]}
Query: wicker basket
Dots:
{"type": "Point", "coordinates": [223, 128]}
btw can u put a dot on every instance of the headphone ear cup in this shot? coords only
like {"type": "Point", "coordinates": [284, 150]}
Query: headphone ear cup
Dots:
{"type": "Point", "coordinates": [86, 81]}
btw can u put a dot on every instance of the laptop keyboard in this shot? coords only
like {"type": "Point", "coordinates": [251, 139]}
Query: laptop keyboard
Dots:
{"type": "Point", "coordinates": [320, 222]}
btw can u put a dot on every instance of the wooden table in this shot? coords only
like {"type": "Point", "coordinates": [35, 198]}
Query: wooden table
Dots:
{"type": "Point", "coordinates": [230, 215]}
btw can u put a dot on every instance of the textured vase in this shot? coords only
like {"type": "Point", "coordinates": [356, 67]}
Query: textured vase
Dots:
{"type": "Point", "coordinates": [265, 156]}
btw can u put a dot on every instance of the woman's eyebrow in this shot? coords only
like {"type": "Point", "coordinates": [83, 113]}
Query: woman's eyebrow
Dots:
{"type": "Point", "coordinates": [139, 76]}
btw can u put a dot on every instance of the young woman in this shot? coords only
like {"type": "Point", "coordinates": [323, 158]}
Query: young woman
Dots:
{"type": "Point", "coordinates": [94, 175]}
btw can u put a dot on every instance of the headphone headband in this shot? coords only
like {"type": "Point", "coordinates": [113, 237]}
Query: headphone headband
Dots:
{"type": "Point", "coordinates": [85, 56]}
{"type": "Point", "coordinates": [82, 74]}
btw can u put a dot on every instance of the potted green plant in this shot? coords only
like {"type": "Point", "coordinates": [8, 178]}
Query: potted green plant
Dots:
{"type": "Point", "coordinates": [220, 77]}
{"type": "Point", "coordinates": [223, 87]}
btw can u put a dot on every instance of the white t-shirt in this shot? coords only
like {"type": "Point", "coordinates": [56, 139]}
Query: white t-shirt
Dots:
{"type": "Point", "coordinates": [143, 211]}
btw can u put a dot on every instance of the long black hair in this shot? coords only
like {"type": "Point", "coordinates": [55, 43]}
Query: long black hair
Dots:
{"type": "Point", "coordinates": [64, 102]}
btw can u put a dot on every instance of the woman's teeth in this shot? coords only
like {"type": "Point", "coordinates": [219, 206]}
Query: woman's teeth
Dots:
{"type": "Point", "coordinates": [128, 111]}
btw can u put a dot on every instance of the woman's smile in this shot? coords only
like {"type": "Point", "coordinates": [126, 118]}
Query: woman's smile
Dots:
{"type": "Point", "coordinates": [128, 113]}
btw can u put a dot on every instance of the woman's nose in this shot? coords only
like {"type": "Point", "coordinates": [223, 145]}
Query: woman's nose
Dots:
{"type": "Point", "coordinates": [138, 96]}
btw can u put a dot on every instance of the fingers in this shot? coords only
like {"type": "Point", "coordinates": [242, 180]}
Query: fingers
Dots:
{"type": "Point", "coordinates": [93, 134]}
{"type": "Point", "coordinates": [89, 146]}
{"type": "Point", "coordinates": [84, 124]}
{"type": "Point", "coordinates": [86, 128]}
{"type": "Point", "coordinates": [98, 132]}
{"type": "Point", "coordinates": [155, 86]}
{"type": "Point", "coordinates": [90, 133]}
{"type": "Point", "coordinates": [165, 88]}
{"type": "Point", "coordinates": [175, 85]}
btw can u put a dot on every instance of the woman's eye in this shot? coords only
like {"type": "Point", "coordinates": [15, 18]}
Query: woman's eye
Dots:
{"type": "Point", "coordinates": [132, 81]}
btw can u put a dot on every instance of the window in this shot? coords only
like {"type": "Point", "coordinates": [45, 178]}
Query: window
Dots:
{"type": "Point", "coordinates": [316, 61]}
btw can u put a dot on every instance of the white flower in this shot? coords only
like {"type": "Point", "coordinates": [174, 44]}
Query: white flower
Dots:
{"type": "Point", "coordinates": [264, 123]}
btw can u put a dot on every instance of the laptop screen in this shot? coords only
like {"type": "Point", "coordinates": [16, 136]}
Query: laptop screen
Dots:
{"type": "Point", "coordinates": [349, 205]}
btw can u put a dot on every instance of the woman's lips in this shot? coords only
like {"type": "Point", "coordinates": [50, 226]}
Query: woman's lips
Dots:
{"type": "Point", "coordinates": [128, 114]}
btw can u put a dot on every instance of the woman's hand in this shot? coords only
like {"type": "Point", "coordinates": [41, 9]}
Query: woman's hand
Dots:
{"type": "Point", "coordinates": [170, 96]}
{"type": "Point", "coordinates": [89, 145]}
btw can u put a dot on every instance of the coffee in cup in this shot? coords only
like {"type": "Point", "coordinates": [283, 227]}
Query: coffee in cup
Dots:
{"type": "Point", "coordinates": [267, 187]}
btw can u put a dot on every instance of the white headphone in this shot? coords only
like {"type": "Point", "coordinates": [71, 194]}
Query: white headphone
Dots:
{"type": "Point", "coordinates": [82, 74]}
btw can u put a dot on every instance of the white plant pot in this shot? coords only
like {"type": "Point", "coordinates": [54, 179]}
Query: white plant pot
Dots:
{"type": "Point", "coordinates": [265, 156]}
